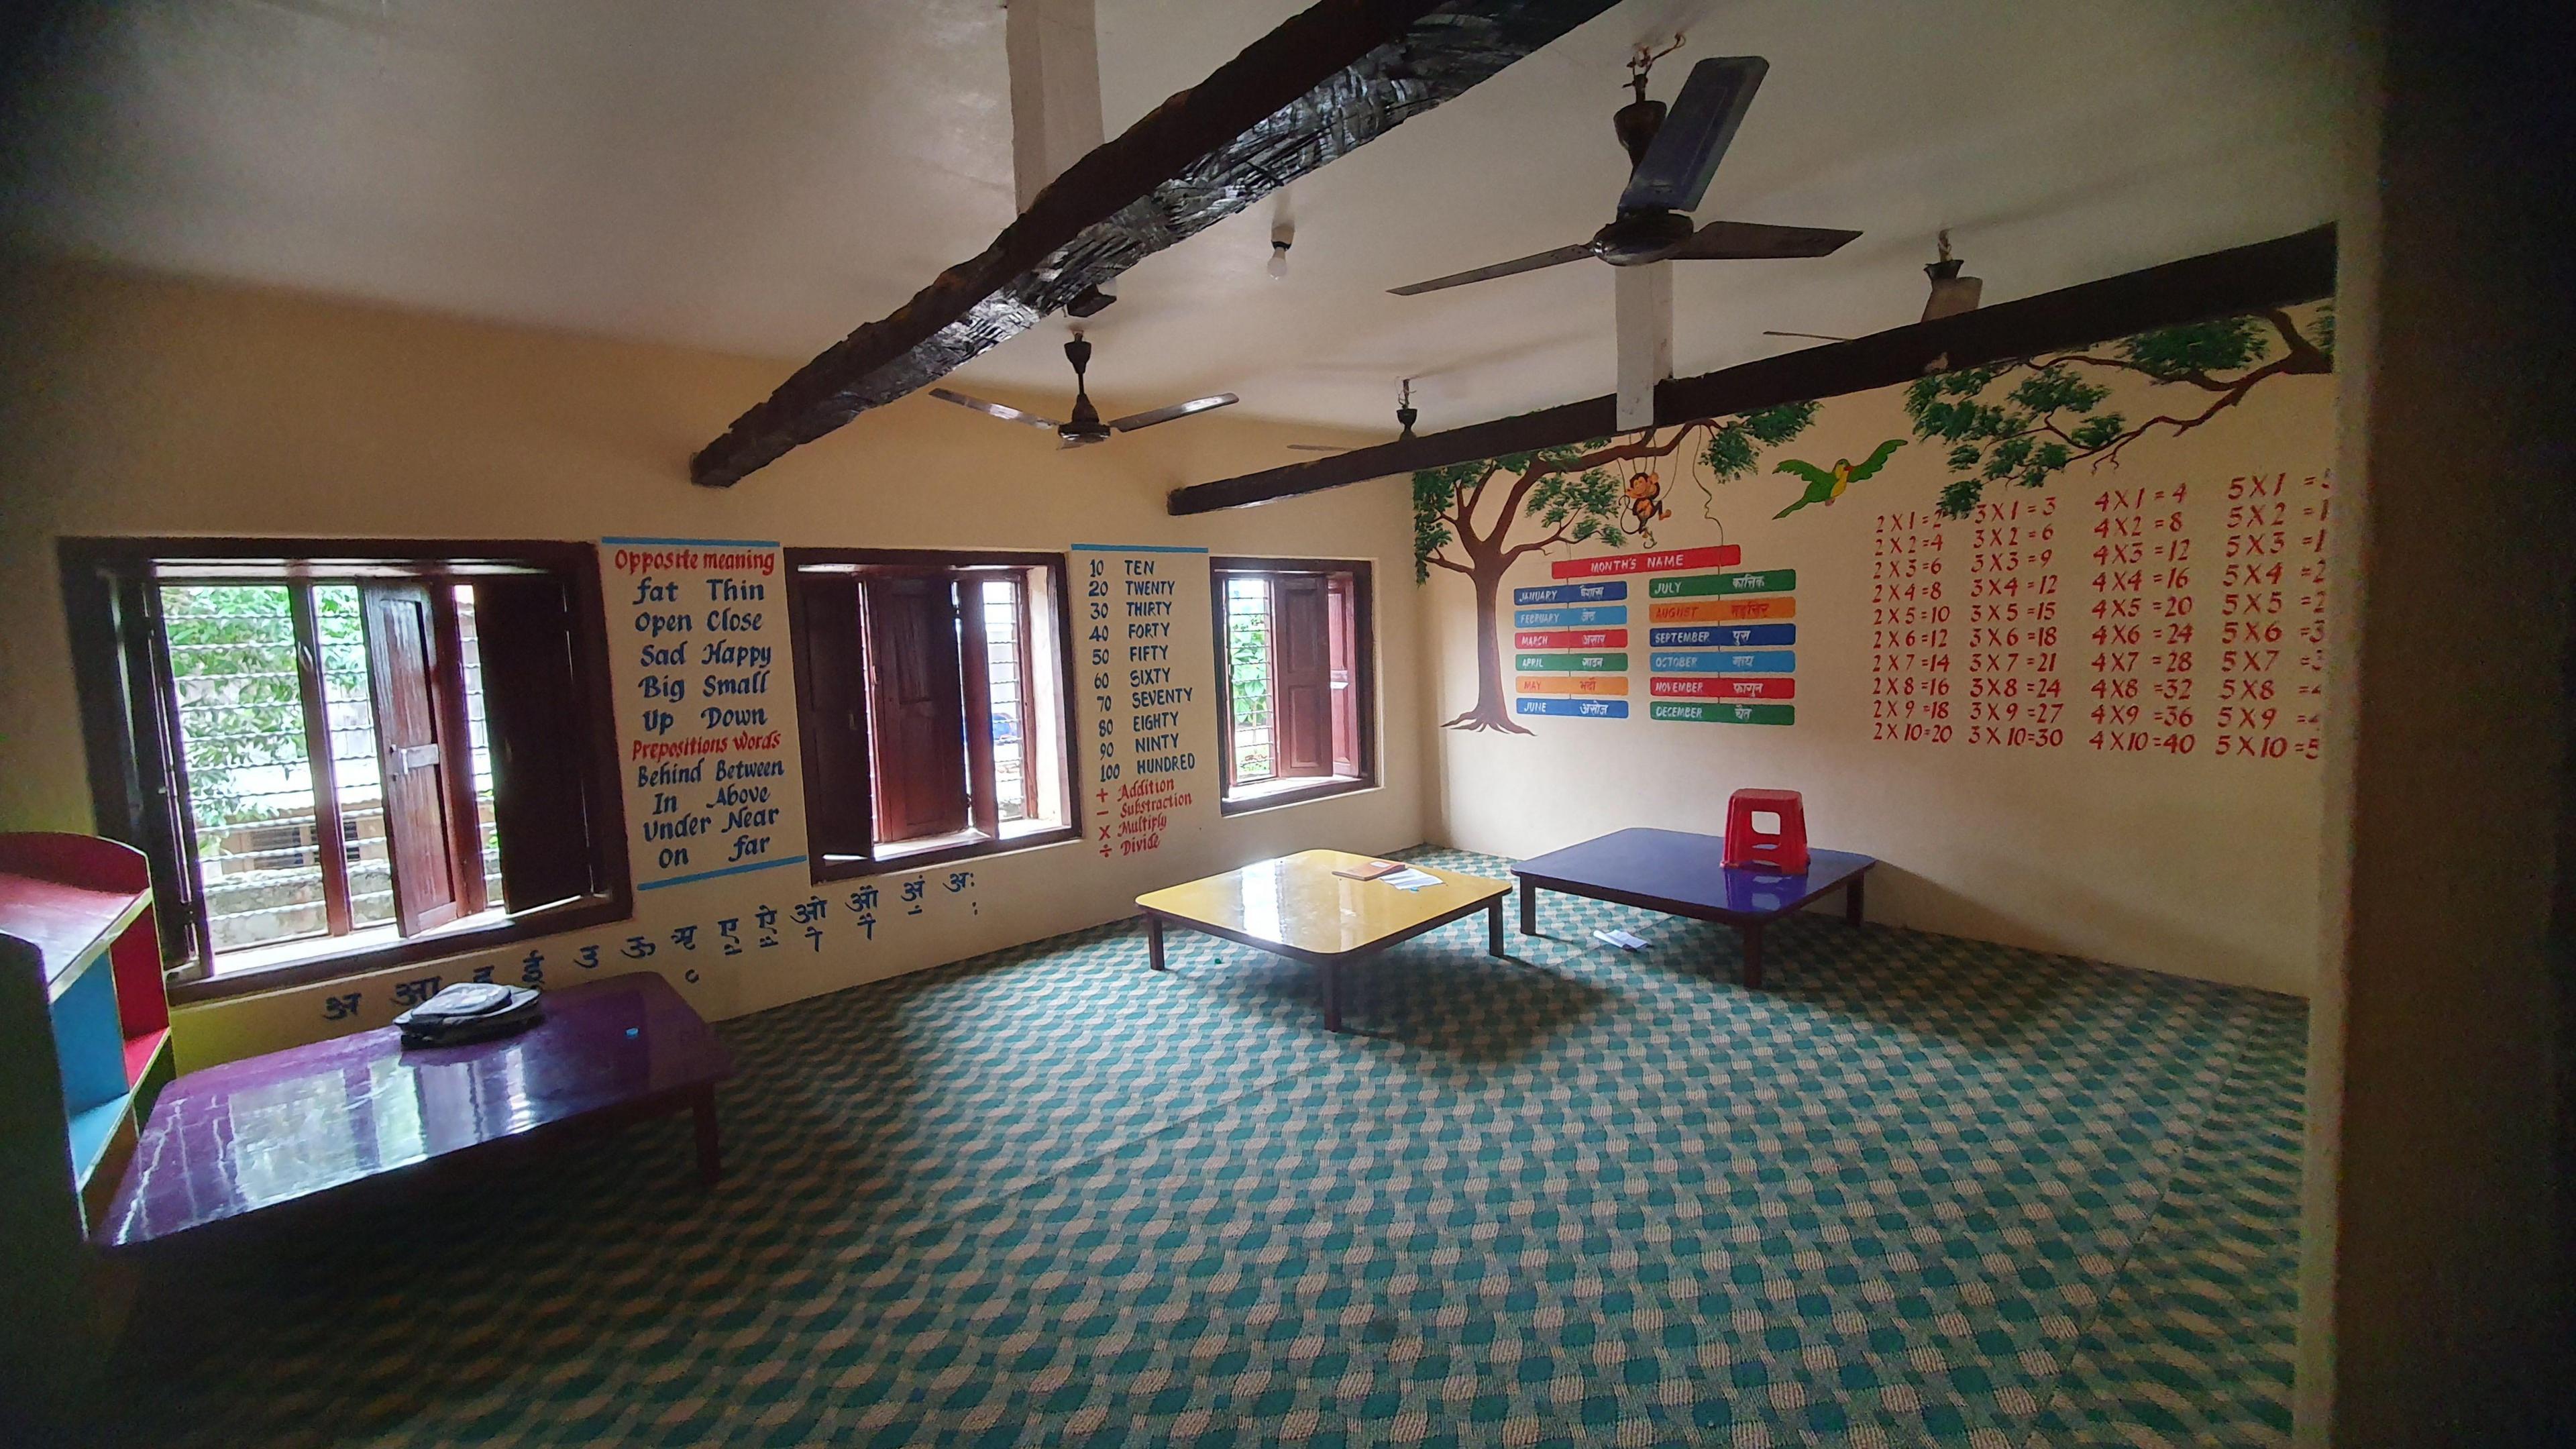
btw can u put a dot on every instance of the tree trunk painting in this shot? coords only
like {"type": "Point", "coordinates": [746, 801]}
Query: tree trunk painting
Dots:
{"type": "Point", "coordinates": [1561, 496]}
{"type": "Point", "coordinates": [1492, 710]}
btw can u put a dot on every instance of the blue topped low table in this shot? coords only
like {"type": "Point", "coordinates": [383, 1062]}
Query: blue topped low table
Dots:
{"type": "Point", "coordinates": [1679, 873]}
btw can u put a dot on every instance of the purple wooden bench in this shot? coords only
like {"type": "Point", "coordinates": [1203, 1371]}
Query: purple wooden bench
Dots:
{"type": "Point", "coordinates": [337, 1117]}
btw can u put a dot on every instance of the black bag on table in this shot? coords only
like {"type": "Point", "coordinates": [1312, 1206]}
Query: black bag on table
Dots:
{"type": "Point", "coordinates": [471, 1011]}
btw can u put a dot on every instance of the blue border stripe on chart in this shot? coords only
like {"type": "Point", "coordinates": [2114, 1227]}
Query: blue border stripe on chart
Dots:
{"type": "Point", "coordinates": [1575, 593]}
{"type": "Point", "coordinates": [701, 542]}
{"type": "Point", "coordinates": [1575, 708]}
{"type": "Point", "coordinates": [656, 885]}
{"type": "Point", "coordinates": [1134, 548]}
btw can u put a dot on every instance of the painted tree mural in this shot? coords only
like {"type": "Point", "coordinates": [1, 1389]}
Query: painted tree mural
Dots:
{"type": "Point", "coordinates": [1480, 518]}
{"type": "Point", "coordinates": [2025, 421]}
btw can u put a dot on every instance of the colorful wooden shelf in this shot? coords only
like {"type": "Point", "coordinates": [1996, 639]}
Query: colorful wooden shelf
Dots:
{"type": "Point", "coordinates": [84, 1049]}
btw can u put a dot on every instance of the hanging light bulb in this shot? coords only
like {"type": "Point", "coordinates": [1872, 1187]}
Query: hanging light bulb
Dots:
{"type": "Point", "coordinates": [1283, 235]}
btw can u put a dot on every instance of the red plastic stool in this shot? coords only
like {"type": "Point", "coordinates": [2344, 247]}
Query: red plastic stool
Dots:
{"type": "Point", "coordinates": [1780, 845]}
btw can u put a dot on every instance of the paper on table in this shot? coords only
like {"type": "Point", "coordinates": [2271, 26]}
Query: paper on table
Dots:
{"type": "Point", "coordinates": [1409, 879]}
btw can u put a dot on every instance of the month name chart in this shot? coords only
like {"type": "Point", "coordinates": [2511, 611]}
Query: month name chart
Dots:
{"type": "Point", "coordinates": [1723, 647]}
{"type": "Point", "coordinates": [1570, 643]}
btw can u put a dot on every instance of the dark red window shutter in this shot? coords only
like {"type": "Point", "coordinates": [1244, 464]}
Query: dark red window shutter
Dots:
{"type": "Point", "coordinates": [975, 662]}
{"type": "Point", "coordinates": [411, 763]}
{"type": "Point", "coordinates": [540, 803]}
{"type": "Point", "coordinates": [129, 717]}
{"type": "Point", "coordinates": [1344, 598]}
{"type": "Point", "coordinates": [919, 734]}
{"type": "Point", "coordinates": [1302, 674]}
{"type": "Point", "coordinates": [832, 712]}
{"type": "Point", "coordinates": [456, 746]}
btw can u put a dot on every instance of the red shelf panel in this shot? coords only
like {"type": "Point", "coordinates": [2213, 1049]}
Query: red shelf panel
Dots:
{"type": "Point", "coordinates": [138, 1053]}
{"type": "Point", "coordinates": [64, 921]}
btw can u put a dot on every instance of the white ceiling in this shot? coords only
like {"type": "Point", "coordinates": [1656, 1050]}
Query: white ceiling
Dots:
{"type": "Point", "coordinates": [762, 177]}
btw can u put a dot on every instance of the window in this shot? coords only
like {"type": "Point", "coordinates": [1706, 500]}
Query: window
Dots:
{"type": "Point", "coordinates": [930, 693]}
{"type": "Point", "coordinates": [1293, 661]}
{"type": "Point", "coordinates": [345, 760]}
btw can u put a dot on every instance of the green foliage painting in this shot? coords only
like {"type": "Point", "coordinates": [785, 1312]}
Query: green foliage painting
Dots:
{"type": "Point", "coordinates": [2020, 423]}
{"type": "Point", "coordinates": [2023, 422]}
{"type": "Point", "coordinates": [1568, 495]}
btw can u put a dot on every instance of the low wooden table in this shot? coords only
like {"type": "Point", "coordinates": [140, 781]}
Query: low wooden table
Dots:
{"type": "Point", "coordinates": [1296, 907]}
{"type": "Point", "coordinates": [323, 1119]}
{"type": "Point", "coordinates": [1680, 874]}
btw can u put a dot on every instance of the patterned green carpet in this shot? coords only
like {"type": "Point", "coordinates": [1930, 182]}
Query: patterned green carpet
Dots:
{"type": "Point", "coordinates": [1920, 1190]}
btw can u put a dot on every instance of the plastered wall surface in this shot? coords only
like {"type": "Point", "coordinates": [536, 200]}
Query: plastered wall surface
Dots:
{"type": "Point", "coordinates": [143, 406]}
{"type": "Point", "coordinates": [2178, 836]}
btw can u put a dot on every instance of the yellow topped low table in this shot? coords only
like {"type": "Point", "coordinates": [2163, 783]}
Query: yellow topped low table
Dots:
{"type": "Point", "coordinates": [1297, 907]}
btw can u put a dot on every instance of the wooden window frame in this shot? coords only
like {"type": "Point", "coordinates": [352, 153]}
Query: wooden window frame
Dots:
{"type": "Point", "coordinates": [1363, 679]}
{"type": "Point", "coordinates": [1228, 760]}
{"type": "Point", "coordinates": [107, 582]}
{"type": "Point", "coordinates": [828, 863]}
{"type": "Point", "coordinates": [1025, 661]}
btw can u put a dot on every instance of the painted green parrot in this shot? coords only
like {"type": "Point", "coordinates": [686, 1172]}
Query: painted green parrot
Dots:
{"type": "Point", "coordinates": [1826, 485]}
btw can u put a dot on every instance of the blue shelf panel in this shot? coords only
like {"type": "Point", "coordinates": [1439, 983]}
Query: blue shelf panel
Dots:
{"type": "Point", "coordinates": [89, 1043]}
{"type": "Point", "coordinates": [91, 1131]}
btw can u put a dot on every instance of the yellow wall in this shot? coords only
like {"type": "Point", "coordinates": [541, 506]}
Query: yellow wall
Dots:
{"type": "Point", "coordinates": [146, 406]}
{"type": "Point", "coordinates": [2202, 864]}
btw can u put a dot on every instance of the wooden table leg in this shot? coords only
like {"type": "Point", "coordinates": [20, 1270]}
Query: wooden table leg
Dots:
{"type": "Point", "coordinates": [1154, 941]}
{"type": "Point", "coordinates": [1494, 928]}
{"type": "Point", "coordinates": [1529, 909]}
{"type": "Point", "coordinates": [1752, 934]}
{"type": "Point", "coordinates": [710, 1145]}
{"type": "Point", "coordinates": [1332, 997]}
{"type": "Point", "coordinates": [1851, 900]}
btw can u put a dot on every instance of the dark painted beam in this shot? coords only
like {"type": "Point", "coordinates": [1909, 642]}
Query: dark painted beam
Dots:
{"type": "Point", "coordinates": [2276, 273]}
{"type": "Point", "coordinates": [1331, 79]}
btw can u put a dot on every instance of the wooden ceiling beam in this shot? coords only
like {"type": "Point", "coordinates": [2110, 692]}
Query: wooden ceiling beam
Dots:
{"type": "Point", "coordinates": [2278, 273]}
{"type": "Point", "coordinates": [1329, 80]}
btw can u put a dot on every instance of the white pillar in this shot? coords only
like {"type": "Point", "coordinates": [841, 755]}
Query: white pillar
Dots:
{"type": "Point", "coordinates": [1055, 89]}
{"type": "Point", "coordinates": [1645, 306]}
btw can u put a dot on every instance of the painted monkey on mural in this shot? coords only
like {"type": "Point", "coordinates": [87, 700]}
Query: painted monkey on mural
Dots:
{"type": "Point", "coordinates": [1645, 505]}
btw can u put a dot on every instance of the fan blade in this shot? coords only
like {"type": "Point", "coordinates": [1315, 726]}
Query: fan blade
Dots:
{"type": "Point", "coordinates": [1558, 257]}
{"type": "Point", "coordinates": [1317, 448]}
{"type": "Point", "coordinates": [994, 409]}
{"type": "Point", "coordinates": [1685, 152]}
{"type": "Point", "coordinates": [1133, 421]}
{"type": "Point", "coordinates": [1721, 240]}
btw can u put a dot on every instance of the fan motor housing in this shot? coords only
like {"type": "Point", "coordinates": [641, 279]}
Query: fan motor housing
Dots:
{"type": "Point", "coordinates": [1639, 237]}
{"type": "Point", "coordinates": [1637, 122]}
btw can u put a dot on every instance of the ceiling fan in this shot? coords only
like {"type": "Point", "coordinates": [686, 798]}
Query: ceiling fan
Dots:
{"type": "Point", "coordinates": [1952, 294]}
{"type": "Point", "coordinates": [1086, 427]}
{"type": "Point", "coordinates": [1406, 415]}
{"type": "Point", "coordinates": [1672, 158]}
